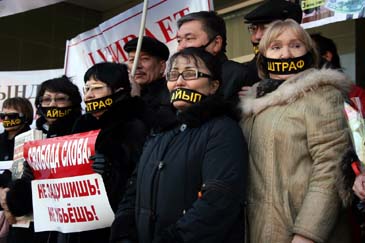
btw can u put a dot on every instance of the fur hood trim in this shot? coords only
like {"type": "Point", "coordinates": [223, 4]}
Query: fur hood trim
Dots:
{"type": "Point", "coordinates": [294, 88]}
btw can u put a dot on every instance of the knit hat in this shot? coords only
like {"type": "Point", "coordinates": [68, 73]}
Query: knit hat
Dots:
{"type": "Point", "coordinates": [271, 10]}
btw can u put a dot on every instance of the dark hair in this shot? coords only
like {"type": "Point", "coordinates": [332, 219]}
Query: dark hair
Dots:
{"type": "Point", "coordinates": [323, 45]}
{"type": "Point", "coordinates": [22, 105]}
{"type": "Point", "coordinates": [63, 85]}
{"type": "Point", "coordinates": [115, 75]}
{"type": "Point", "coordinates": [211, 22]}
{"type": "Point", "coordinates": [210, 61]}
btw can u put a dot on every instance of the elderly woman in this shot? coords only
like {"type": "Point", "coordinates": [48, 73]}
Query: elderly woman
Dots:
{"type": "Point", "coordinates": [190, 179]}
{"type": "Point", "coordinates": [297, 132]}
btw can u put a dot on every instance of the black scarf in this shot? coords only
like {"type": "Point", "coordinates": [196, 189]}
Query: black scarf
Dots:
{"type": "Point", "coordinates": [267, 86]}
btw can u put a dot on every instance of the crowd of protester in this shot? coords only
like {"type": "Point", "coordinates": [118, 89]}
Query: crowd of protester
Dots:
{"type": "Point", "coordinates": [195, 147]}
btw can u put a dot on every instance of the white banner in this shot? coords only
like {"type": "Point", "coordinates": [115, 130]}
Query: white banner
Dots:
{"type": "Point", "coordinates": [71, 204]}
{"type": "Point", "coordinates": [321, 12]}
{"type": "Point", "coordinates": [105, 43]}
{"type": "Point", "coordinates": [24, 84]}
{"type": "Point", "coordinates": [9, 7]}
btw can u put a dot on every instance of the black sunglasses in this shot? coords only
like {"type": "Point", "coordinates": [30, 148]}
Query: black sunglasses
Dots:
{"type": "Point", "coordinates": [12, 115]}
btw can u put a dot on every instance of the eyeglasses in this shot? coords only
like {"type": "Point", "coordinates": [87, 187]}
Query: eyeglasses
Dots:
{"type": "Point", "coordinates": [186, 75]}
{"type": "Point", "coordinates": [93, 87]}
{"type": "Point", "coordinates": [253, 28]}
{"type": "Point", "coordinates": [12, 115]}
{"type": "Point", "coordinates": [58, 100]}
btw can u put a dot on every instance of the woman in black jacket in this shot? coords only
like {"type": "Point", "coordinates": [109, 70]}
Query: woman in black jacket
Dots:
{"type": "Point", "coordinates": [58, 103]}
{"type": "Point", "coordinates": [190, 182]}
{"type": "Point", "coordinates": [120, 118]}
{"type": "Point", "coordinates": [16, 116]}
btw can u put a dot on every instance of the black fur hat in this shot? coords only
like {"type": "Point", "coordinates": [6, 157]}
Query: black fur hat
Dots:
{"type": "Point", "coordinates": [151, 46]}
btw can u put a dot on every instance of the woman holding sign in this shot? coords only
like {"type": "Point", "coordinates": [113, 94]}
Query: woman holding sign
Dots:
{"type": "Point", "coordinates": [58, 103]}
{"type": "Point", "coordinates": [16, 117]}
{"type": "Point", "coordinates": [190, 183]}
{"type": "Point", "coordinates": [120, 118]}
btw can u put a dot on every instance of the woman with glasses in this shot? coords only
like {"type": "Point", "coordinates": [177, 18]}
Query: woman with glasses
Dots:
{"type": "Point", "coordinates": [120, 118]}
{"type": "Point", "coordinates": [294, 120]}
{"type": "Point", "coordinates": [58, 103]}
{"type": "Point", "coordinates": [190, 182]}
{"type": "Point", "coordinates": [16, 117]}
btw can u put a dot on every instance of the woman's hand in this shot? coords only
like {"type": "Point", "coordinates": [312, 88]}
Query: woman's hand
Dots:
{"type": "Point", "coordinates": [244, 91]}
{"type": "Point", "coordinates": [359, 186]}
{"type": "Point", "coordinates": [301, 239]}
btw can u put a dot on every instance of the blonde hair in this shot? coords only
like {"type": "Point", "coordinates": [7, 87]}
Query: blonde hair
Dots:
{"type": "Point", "coordinates": [274, 30]}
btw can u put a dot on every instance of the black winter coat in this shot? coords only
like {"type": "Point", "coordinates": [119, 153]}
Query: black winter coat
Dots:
{"type": "Point", "coordinates": [234, 76]}
{"type": "Point", "coordinates": [7, 146]}
{"type": "Point", "coordinates": [159, 111]}
{"type": "Point", "coordinates": [19, 198]}
{"type": "Point", "coordinates": [120, 140]}
{"type": "Point", "coordinates": [61, 127]}
{"type": "Point", "coordinates": [253, 75]}
{"type": "Point", "coordinates": [190, 182]}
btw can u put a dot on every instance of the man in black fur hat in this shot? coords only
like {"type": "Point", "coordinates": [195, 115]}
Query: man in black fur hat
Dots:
{"type": "Point", "coordinates": [149, 77]}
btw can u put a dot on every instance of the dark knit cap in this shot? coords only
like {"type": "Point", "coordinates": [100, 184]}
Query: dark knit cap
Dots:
{"type": "Point", "coordinates": [271, 10]}
{"type": "Point", "coordinates": [151, 46]}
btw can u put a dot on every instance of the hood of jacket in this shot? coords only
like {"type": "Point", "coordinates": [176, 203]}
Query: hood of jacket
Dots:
{"type": "Point", "coordinates": [294, 88]}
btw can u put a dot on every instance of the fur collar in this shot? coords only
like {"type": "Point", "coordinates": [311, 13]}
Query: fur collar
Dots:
{"type": "Point", "coordinates": [209, 108]}
{"type": "Point", "coordinates": [294, 88]}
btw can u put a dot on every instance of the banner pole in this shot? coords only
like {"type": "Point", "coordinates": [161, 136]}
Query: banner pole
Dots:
{"type": "Point", "coordinates": [140, 35]}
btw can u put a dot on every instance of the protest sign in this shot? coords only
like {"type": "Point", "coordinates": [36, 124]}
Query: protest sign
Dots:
{"type": "Point", "coordinates": [67, 195]}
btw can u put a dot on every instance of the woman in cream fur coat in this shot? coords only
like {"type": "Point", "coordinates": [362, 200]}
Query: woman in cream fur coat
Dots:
{"type": "Point", "coordinates": [296, 131]}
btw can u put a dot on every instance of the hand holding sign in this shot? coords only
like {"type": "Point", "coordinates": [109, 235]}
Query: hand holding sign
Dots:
{"type": "Point", "coordinates": [98, 163]}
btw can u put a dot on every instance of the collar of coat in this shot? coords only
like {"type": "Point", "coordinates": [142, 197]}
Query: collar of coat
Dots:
{"type": "Point", "coordinates": [154, 86]}
{"type": "Point", "coordinates": [125, 108]}
{"type": "Point", "coordinates": [62, 126]}
{"type": "Point", "coordinates": [209, 108]}
{"type": "Point", "coordinates": [294, 88]}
